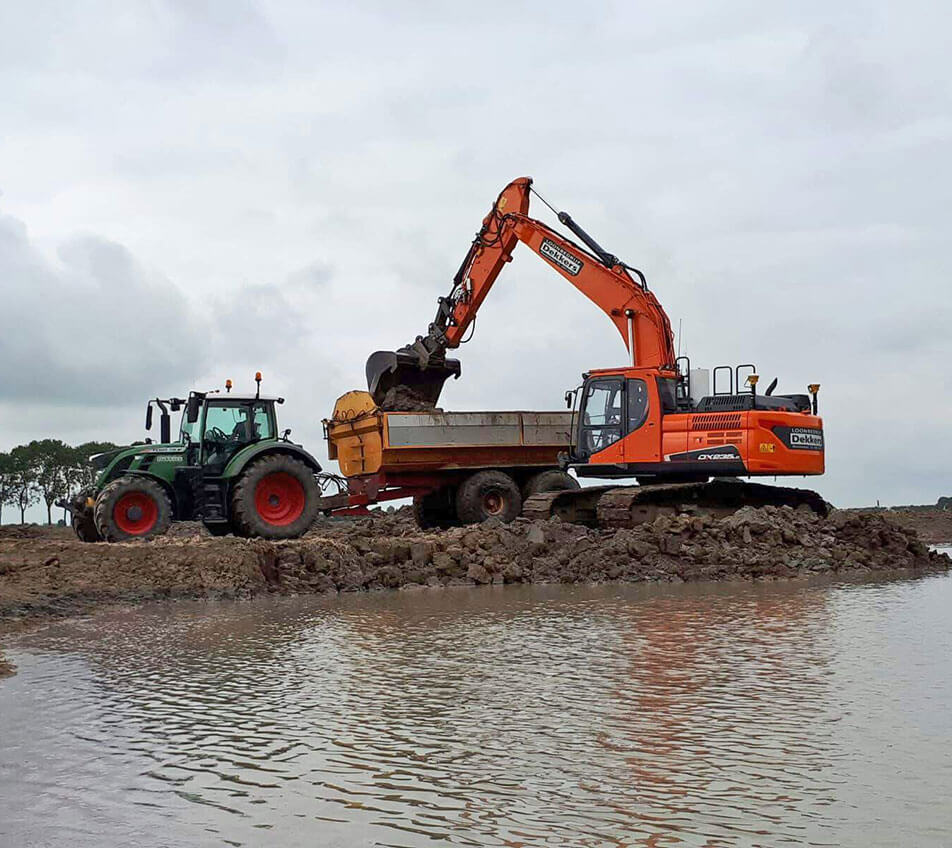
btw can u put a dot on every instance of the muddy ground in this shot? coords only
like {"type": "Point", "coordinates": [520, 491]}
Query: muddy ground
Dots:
{"type": "Point", "coordinates": [47, 572]}
{"type": "Point", "coordinates": [934, 526]}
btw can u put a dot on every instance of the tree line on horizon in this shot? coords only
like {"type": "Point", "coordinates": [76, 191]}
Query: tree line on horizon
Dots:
{"type": "Point", "coordinates": [45, 470]}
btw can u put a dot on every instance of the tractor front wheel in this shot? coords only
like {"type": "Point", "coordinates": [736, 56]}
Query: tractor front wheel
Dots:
{"type": "Point", "coordinates": [132, 508]}
{"type": "Point", "coordinates": [84, 526]}
{"type": "Point", "coordinates": [275, 498]}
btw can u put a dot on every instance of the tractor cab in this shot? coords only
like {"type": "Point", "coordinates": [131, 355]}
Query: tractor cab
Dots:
{"type": "Point", "coordinates": [215, 427]}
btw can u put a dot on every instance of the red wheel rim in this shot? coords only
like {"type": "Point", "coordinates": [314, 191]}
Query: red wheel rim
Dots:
{"type": "Point", "coordinates": [135, 513]}
{"type": "Point", "coordinates": [493, 503]}
{"type": "Point", "coordinates": [279, 498]}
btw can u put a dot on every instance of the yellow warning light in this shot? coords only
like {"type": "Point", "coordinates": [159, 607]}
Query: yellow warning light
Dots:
{"type": "Point", "coordinates": [814, 388]}
{"type": "Point", "coordinates": [257, 376]}
{"type": "Point", "coordinates": [228, 385]}
{"type": "Point", "coordinates": [753, 379]}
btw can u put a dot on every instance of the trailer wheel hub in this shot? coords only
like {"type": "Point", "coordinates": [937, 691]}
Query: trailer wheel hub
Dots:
{"type": "Point", "coordinates": [493, 502]}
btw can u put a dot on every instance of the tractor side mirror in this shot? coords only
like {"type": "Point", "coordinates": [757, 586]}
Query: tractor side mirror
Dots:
{"type": "Point", "coordinates": [192, 408]}
{"type": "Point", "coordinates": [148, 417]}
{"type": "Point", "coordinates": [286, 434]}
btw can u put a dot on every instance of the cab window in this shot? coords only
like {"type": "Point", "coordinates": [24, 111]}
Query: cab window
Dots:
{"type": "Point", "coordinates": [602, 415]}
{"type": "Point", "coordinates": [237, 422]}
{"type": "Point", "coordinates": [637, 403]}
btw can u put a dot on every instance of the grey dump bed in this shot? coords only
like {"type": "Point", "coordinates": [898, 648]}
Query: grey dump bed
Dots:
{"type": "Point", "coordinates": [477, 429]}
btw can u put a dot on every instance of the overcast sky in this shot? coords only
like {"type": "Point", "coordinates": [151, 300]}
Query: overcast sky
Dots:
{"type": "Point", "coordinates": [191, 191]}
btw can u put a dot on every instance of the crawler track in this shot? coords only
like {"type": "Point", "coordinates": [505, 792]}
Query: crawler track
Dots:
{"type": "Point", "coordinates": [627, 506]}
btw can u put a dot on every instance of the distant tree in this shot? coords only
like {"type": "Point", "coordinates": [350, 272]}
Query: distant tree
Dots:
{"type": "Point", "coordinates": [52, 460]}
{"type": "Point", "coordinates": [24, 490]}
{"type": "Point", "coordinates": [81, 473]}
{"type": "Point", "coordinates": [6, 481]}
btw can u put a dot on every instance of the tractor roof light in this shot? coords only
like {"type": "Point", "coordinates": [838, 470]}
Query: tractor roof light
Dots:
{"type": "Point", "coordinates": [227, 385]}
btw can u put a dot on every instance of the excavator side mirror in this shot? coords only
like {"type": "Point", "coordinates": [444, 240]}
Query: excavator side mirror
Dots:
{"type": "Point", "coordinates": [568, 400]}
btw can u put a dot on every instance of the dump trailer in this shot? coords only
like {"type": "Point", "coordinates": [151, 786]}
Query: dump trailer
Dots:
{"type": "Point", "coordinates": [459, 467]}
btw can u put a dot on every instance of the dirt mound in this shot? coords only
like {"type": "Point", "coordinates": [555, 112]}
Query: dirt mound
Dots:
{"type": "Point", "coordinates": [405, 399]}
{"type": "Point", "coordinates": [931, 523]}
{"type": "Point", "coordinates": [57, 576]}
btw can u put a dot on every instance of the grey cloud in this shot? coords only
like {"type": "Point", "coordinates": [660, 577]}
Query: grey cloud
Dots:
{"type": "Point", "coordinates": [308, 176]}
{"type": "Point", "coordinates": [90, 328]}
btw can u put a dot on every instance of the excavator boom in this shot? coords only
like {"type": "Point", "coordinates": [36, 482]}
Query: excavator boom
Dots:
{"type": "Point", "coordinates": [413, 376]}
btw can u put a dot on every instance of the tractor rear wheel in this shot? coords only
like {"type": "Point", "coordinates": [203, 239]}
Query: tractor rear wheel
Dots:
{"type": "Point", "coordinates": [275, 498]}
{"type": "Point", "coordinates": [132, 508]}
{"type": "Point", "coordinates": [488, 494]}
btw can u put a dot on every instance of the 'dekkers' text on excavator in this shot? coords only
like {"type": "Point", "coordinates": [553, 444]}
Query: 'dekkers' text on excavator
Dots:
{"type": "Point", "coordinates": [654, 419]}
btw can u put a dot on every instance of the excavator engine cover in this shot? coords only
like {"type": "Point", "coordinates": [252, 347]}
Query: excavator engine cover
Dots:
{"type": "Point", "coordinates": [399, 381]}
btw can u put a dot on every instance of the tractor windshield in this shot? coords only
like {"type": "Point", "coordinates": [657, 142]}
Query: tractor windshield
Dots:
{"type": "Point", "coordinates": [189, 431]}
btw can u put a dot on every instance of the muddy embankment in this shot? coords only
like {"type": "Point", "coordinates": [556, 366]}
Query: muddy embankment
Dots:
{"type": "Point", "coordinates": [932, 524]}
{"type": "Point", "coordinates": [46, 572]}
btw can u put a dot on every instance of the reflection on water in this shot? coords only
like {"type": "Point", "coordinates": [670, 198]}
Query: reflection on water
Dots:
{"type": "Point", "coordinates": [704, 716]}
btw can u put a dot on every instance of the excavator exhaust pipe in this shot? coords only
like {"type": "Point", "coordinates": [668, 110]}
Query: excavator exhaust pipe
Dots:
{"type": "Point", "coordinates": [402, 380]}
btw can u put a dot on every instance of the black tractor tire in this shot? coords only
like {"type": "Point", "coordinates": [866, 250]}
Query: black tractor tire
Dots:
{"type": "Point", "coordinates": [132, 508]}
{"type": "Point", "coordinates": [488, 494]}
{"type": "Point", "coordinates": [435, 510]}
{"type": "Point", "coordinates": [275, 498]}
{"type": "Point", "coordinates": [552, 480]}
{"type": "Point", "coordinates": [84, 526]}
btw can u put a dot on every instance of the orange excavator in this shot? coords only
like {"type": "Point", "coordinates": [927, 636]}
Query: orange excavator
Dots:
{"type": "Point", "coordinates": [654, 419]}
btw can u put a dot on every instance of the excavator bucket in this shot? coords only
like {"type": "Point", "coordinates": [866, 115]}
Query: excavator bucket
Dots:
{"type": "Point", "coordinates": [399, 380]}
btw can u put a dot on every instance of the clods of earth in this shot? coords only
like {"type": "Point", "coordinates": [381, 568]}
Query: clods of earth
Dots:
{"type": "Point", "coordinates": [47, 572]}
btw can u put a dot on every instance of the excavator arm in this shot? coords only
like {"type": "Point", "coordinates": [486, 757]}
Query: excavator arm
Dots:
{"type": "Point", "coordinates": [413, 376]}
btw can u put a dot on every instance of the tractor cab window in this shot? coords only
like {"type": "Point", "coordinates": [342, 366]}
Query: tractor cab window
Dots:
{"type": "Point", "coordinates": [236, 423]}
{"type": "Point", "coordinates": [602, 415]}
{"type": "Point", "coordinates": [189, 432]}
{"type": "Point", "coordinates": [262, 421]}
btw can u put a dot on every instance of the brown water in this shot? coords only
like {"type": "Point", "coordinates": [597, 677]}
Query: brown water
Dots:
{"type": "Point", "coordinates": [693, 715]}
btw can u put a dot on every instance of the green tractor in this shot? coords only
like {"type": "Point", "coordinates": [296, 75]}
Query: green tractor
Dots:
{"type": "Point", "coordinates": [228, 469]}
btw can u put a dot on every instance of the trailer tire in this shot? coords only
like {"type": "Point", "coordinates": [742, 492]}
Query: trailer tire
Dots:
{"type": "Point", "coordinates": [488, 494]}
{"type": "Point", "coordinates": [275, 498]}
{"type": "Point", "coordinates": [435, 510]}
{"type": "Point", "coordinates": [552, 480]}
{"type": "Point", "coordinates": [132, 508]}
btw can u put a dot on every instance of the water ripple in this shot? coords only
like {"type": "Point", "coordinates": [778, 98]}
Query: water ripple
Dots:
{"type": "Point", "coordinates": [693, 716]}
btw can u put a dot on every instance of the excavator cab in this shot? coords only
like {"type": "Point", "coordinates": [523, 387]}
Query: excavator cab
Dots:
{"type": "Point", "coordinates": [618, 417]}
